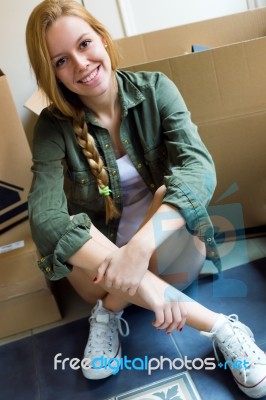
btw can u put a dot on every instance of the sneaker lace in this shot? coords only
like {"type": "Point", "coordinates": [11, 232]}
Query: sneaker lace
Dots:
{"type": "Point", "coordinates": [119, 320]}
{"type": "Point", "coordinates": [101, 333]}
{"type": "Point", "coordinates": [236, 345]}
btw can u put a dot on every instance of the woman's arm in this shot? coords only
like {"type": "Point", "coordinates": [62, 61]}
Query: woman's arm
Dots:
{"type": "Point", "coordinates": [125, 267]}
{"type": "Point", "coordinates": [55, 235]}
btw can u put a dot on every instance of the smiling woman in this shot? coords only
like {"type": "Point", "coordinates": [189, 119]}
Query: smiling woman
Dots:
{"type": "Point", "coordinates": [80, 59]}
{"type": "Point", "coordinates": [134, 226]}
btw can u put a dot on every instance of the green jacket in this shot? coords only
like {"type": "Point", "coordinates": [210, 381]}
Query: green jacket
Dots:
{"type": "Point", "coordinates": [162, 143]}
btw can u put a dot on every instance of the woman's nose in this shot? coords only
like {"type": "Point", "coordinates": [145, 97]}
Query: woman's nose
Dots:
{"type": "Point", "coordinates": [81, 62]}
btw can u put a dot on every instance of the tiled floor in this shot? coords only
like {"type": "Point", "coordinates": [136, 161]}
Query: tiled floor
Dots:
{"type": "Point", "coordinates": [71, 333]}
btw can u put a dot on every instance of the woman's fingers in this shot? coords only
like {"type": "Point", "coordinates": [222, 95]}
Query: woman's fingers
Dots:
{"type": "Point", "coordinates": [101, 271]}
{"type": "Point", "coordinates": [172, 316]}
{"type": "Point", "coordinates": [167, 317]}
{"type": "Point", "coordinates": [159, 317]}
{"type": "Point", "coordinates": [123, 283]}
{"type": "Point", "coordinates": [183, 309]}
{"type": "Point", "coordinates": [179, 313]}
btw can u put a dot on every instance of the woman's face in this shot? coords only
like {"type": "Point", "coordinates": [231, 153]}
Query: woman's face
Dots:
{"type": "Point", "coordinates": [79, 57]}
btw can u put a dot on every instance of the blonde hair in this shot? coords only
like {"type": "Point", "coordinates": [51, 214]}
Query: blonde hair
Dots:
{"type": "Point", "coordinates": [67, 102]}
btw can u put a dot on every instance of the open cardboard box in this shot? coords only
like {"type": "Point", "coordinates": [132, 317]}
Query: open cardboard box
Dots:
{"type": "Point", "coordinates": [26, 300]}
{"type": "Point", "coordinates": [15, 162]}
{"type": "Point", "coordinates": [225, 90]}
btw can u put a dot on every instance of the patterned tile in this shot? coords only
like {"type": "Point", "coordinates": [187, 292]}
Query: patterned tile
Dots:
{"type": "Point", "coordinates": [178, 387]}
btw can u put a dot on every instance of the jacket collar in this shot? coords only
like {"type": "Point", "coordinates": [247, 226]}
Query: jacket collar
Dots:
{"type": "Point", "coordinates": [130, 96]}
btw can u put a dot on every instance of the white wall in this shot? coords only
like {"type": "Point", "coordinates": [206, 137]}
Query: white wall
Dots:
{"type": "Point", "coordinates": [256, 3]}
{"type": "Point", "coordinates": [107, 11]}
{"type": "Point", "coordinates": [13, 57]}
{"type": "Point", "coordinates": [150, 15]}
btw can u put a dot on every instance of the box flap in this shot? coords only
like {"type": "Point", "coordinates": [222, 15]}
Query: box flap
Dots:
{"type": "Point", "coordinates": [37, 102]}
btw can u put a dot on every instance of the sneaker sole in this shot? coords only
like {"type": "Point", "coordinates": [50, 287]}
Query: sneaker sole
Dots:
{"type": "Point", "coordinates": [95, 374]}
{"type": "Point", "coordinates": [255, 391]}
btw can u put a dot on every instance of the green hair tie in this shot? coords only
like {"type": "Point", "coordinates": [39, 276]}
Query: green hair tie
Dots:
{"type": "Point", "coordinates": [105, 191]}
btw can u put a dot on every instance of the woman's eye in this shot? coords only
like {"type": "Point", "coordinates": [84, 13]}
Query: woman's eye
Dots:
{"type": "Point", "coordinates": [59, 63]}
{"type": "Point", "coordinates": [85, 43]}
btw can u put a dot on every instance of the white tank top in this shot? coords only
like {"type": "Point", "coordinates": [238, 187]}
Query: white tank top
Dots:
{"type": "Point", "coordinates": [136, 200]}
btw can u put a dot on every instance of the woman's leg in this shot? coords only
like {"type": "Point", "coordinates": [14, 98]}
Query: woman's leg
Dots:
{"type": "Point", "coordinates": [178, 260]}
{"type": "Point", "coordinates": [198, 316]}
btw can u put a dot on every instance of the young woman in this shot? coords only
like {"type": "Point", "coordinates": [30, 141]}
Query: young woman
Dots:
{"type": "Point", "coordinates": [120, 189]}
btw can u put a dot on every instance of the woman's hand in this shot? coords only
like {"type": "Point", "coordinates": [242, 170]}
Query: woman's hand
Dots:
{"type": "Point", "coordinates": [168, 303]}
{"type": "Point", "coordinates": [124, 268]}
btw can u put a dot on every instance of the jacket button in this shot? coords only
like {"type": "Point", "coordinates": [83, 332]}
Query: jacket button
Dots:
{"type": "Point", "coordinates": [48, 269]}
{"type": "Point", "coordinates": [152, 186]}
{"type": "Point", "coordinates": [209, 239]}
{"type": "Point", "coordinates": [139, 165]}
{"type": "Point", "coordinates": [114, 172]}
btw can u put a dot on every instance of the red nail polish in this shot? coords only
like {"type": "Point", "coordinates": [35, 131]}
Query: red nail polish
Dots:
{"type": "Point", "coordinates": [95, 279]}
{"type": "Point", "coordinates": [180, 330]}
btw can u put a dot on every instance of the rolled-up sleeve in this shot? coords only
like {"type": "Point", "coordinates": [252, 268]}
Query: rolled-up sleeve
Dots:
{"type": "Point", "coordinates": [56, 236]}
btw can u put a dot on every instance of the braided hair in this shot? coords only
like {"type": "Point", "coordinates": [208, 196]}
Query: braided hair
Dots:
{"type": "Point", "coordinates": [61, 99]}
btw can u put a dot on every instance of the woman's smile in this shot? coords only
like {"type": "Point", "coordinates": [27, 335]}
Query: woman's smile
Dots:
{"type": "Point", "coordinates": [79, 56]}
{"type": "Point", "coordinates": [91, 77]}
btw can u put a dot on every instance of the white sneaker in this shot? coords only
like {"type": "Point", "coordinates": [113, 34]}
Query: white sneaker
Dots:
{"type": "Point", "coordinates": [236, 342]}
{"type": "Point", "coordinates": [103, 343]}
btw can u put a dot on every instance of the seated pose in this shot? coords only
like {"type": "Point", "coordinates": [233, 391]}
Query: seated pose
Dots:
{"type": "Point", "coordinates": [121, 185]}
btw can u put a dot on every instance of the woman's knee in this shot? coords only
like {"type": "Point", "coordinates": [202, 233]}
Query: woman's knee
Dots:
{"type": "Point", "coordinates": [181, 261]}
{"type": "Point", "coordinates": [84, 286]}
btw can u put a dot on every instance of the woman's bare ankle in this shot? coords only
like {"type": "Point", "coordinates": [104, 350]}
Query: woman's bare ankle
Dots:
{"type": "Point", "coordinates": [114, 303]}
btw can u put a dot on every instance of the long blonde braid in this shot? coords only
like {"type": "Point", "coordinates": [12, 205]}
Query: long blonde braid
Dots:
{"type": "Point", "coordinates": [97, 167]}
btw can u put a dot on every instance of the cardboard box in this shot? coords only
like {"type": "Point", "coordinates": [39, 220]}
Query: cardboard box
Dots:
{"type": "Point", "coordinates": [26, 301]}
{"type": "Point", "coordinates": [26, 312]}
{"type": "Point", "coordinates": [224, 88]}
{"type": "Point", "coordinates": [15, 162]}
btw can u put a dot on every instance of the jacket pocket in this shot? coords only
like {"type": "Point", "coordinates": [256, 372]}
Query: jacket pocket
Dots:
{"type": "Point", "coordinates": [82, 188]}
{"type": "Point", "coordinates": [157, 161]}
{"type": "Point", "coordinates": [153, 155]}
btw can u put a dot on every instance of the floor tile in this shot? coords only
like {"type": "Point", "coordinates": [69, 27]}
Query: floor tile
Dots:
{"type": "Point", "coordinates": [179, 387]}
{"type": "Point", "coordinates": [18, 378]}
{"type": "Point", "coordinates": [16, 337]}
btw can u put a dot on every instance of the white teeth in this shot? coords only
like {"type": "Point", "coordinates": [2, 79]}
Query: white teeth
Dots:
{"type": "Point", "coordinates": [90, 77]}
